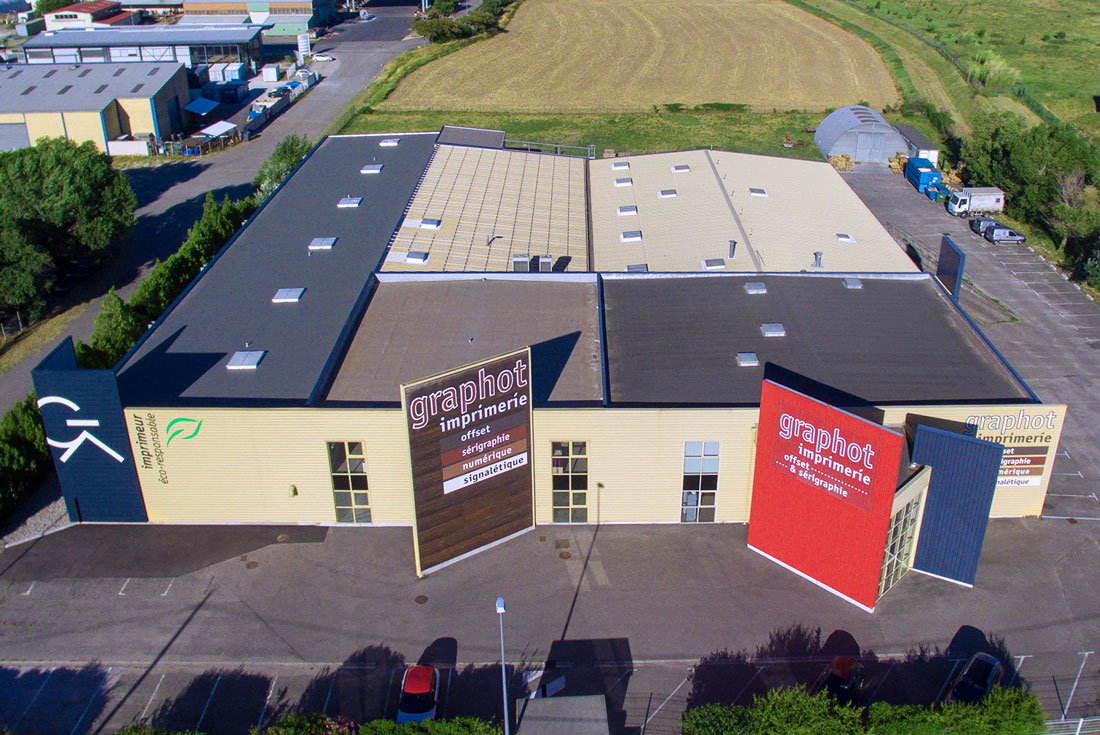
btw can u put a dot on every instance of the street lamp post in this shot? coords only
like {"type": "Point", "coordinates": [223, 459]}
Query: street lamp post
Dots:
{"type": "Point", "coordinates": [503, 668]}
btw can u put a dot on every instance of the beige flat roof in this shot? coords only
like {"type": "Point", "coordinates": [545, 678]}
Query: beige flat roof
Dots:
{"type": "Point", "coordinates": [483, 206]}
{"type": "Point", "coordinates": [417, 326]}
{"type": "Point", "coordinates": [687, 218]}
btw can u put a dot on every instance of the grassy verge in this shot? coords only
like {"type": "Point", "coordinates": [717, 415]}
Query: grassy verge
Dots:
{"type": "Point", "coordinates": [623, 132]}
{"type": "Point", "coordinates": [35, 337]}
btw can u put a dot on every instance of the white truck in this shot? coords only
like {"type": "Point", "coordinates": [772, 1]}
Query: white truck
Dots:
{"type": "Point", "coordinates": [980, 200]}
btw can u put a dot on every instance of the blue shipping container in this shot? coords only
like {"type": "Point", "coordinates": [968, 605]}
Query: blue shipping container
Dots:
{"type": "Point", "coordinates": [921, 173]}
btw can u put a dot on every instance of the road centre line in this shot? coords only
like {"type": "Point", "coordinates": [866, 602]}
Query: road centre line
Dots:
{"type": "Point", "coordinates": [1072, 691]}
{"type": "Point", "coordinates": [152, 697]}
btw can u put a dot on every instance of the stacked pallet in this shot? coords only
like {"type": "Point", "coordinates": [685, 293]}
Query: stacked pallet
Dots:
{"type": "Point", "coordinates": [842, 162]}
{"type": "Point", "coordinates": [951, 176]}
{"type": "Point", "coordinates": [897, 163]}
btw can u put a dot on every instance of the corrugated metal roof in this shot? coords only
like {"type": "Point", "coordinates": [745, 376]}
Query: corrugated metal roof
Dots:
{"type": "Point", "coordinates": [916, 137]}
{"type": "Point", "coordinates": [79, 87]}
{"type": "Point", "coordinates": [486, 206]}
{"type": "Point", "coordinates": [805, 208]}
{"type": "Point", "coordinates": [146, 36]}
{"type": "Point", "coordinates": [838, 122]}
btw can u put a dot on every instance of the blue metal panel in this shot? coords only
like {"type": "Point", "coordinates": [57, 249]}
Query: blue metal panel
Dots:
{"type": "Point", "coordinates": [87, 433]}
{"type": "Point", "coordinates": [956, 508]}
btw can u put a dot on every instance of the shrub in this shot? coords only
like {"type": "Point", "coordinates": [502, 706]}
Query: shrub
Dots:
{"type": "Point", "coordinates": [441, 30]}
{"type": "Point", "coordinates": [288, 153]}
{"type": "Point", "coordinates": [24, 457]}
{"type": "Point", "coordinates": [481, 20]}
{"type": "Point", "coordinates": [717, 719]}
{"type": "Point", "coordinates": [142, 729]}
{"type": "Point", "coordinates": [314, 723]}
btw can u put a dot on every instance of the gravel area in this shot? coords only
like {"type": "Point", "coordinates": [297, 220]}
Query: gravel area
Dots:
{"type": "Point", "coordinates": [44, 511]}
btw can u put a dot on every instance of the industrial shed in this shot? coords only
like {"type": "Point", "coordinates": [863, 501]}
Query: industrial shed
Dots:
{"type": "Point", "coordinates": [858, 132]}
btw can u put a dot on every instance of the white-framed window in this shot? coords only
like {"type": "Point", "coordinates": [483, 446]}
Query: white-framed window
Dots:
{"type": "Point", "coordinates": [700, 488]}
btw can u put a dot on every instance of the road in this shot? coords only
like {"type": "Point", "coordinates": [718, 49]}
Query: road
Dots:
{"type": "Point", "coordinates": [170, 196]}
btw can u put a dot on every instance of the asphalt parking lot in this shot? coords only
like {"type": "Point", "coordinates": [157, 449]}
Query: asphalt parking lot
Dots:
{"type": "Point", "coordinates": [222, 627]}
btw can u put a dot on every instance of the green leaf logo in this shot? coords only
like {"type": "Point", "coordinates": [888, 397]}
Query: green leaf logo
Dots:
{"type": "Point", "coordinates": [185, 426]}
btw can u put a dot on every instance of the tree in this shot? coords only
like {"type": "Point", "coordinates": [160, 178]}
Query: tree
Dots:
{"type": "Point", "coordinates": [481, 20]}
{"type": "Point", "coordinates": [41, 7]}
{"type": "Point", "coordinates": [25, 273]}
{"type": "Point", "coordinates": [440, 30]}
{"type": "Point", "coordinates": [65, 199]}
{"type": "Point", "coordinates": [288, 153]}
{"type": "Point", "coordinates": [117, 328]}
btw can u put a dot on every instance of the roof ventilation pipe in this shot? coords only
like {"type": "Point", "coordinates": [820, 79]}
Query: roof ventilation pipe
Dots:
{"type": "Point", "coordinates": [817, 259]}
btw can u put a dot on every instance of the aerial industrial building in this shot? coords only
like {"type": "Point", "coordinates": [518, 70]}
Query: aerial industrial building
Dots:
{"type": "Point", "coordinates": [472, 340]}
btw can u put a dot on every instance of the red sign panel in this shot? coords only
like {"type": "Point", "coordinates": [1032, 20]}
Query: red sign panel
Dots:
{"type": "Point", "coordinates": [822, 491]}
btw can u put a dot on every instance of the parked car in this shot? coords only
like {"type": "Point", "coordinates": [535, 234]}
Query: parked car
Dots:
{"type": "Point", "coordinates": [419, 694]}
{"type": "Point", "coordinates": [975, 680]}
{"type": "Point", "coordinates": [842, 679]}
{"type": "Point", "coordinates": [978, 225]}
{"type": "Point", "coordinates": [999, 233]}
{"type": "Point", "coordinates": [324, 57]}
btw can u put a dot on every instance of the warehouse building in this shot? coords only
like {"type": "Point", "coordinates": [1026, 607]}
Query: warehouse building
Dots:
{"type": "Point", "coordinates": [90, 14]}
{"type": "Point", "coordinates": [190, 45]}
{"type": "Point", "coordinates": [281, 17]}
{"type": "Point", "coordinates": [397, 356]}
{"type": "Point", "coordinates": [111, 105]}
{"type": "Point", "coordinates": [860, 133]}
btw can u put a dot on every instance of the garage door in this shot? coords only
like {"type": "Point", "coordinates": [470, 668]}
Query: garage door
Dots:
{"type": "Point", "coordinates": [13, 136]}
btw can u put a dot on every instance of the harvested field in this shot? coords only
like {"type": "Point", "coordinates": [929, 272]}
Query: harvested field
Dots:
{"type": "Point", "coordinates": [626, 55]}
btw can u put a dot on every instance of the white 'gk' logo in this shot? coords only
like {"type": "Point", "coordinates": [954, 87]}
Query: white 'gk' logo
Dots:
{"type": "Point", "coordinates": [72, 446]}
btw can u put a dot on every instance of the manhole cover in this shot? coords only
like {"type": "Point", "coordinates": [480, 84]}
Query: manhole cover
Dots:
{"type": "Point", "coordinates": [542, 538]}
{"type": "Point", "coordinates": [282, 538]}
{"type": "Point", "coordinates": [1072, 520]}
{"type": "Point", "coordinates": [252, 565]}
{"type": "Point", "coordinates": [420, 599]}
{"type": "Point", "coordinates": [561, 544]}
{"type": "Point", "coordinates": [565, 555]}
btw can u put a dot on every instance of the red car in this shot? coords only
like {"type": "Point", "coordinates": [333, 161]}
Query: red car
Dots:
{"type": "Point", "coordinates": [419, 694]}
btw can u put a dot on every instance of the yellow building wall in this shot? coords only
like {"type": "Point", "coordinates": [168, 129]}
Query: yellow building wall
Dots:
{"type": "Point", "coordinates": [175, 88]}
{"type": "Point", "coordinates": [139, 113]}
{"type": "Point", "coordinates": [636, 458]}
{"type": "Point", "coordinates": [110, 119]}
{"type": "Point", "coordinates": [241, 464]}
{"type": "Point", "coordinates": [44, 125]}
{"type": "Point", "coordinates": [11, 117]}
{"type": "Point", "coordinates": [82, 126]}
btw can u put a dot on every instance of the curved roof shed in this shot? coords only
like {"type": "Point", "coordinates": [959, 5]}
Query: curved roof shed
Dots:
{"type": "Point", "coordinates": [859, 132]}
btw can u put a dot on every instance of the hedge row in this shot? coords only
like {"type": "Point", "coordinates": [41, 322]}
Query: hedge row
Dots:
{"type": "Point", "coordinates": [24, 457]}
{"type": "Point", "coordinates": [319, 724]}
{"type": "Point", "coordinates": [796, 712]}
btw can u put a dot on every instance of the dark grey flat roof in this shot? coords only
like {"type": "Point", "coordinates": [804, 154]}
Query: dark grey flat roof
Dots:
{"type": "Point", "coordinates": [183, 361]}
{"type": "Point", "coordinates": [473, 137]}
{"type": "Point", "coordinates": [896, 340]}
{"type": "Point", "coordinates": [145, 36]}
{"type": "Point", "coordinates": [916, 137]}
{"type": "Point", "coordinates": [576, 715]}
{"type": "Point", "coordinates": [79, 87]}
{"type": "Point", "coordinates": [418, 326]}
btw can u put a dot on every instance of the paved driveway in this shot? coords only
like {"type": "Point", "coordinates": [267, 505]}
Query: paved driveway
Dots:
{"type": "Point", "coordinates": [1054, 341]}
{"type": "Point", "coordinates": [170, 196]}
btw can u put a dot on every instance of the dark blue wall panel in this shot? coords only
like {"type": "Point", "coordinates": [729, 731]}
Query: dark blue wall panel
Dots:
{"type": "Point", "coordinates": [956, 508]}
{"type": "Point", "coordinates": [86, 429]}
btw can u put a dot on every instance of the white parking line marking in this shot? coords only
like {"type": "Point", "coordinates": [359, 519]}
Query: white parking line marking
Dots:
{"type": "Point", "coordinates": [948, 680]}
{"type": "Point", "coordinates": [1066, 518]}
{"type": "Point", "coordinates": [1069, 699]}
{"type": "Point", "coordinates": [882, 681]}
{"type": "Point", "coordinates": [35, 697]}
{"type": "Point", "coordinates": [24, 594]}
{"type": "Point", "coordinates": [389, 696]}
{"type": "Point", "coordinates": [263, 712]}
{"type": "Point", "coordinates": [165, 593]}
{"type": "Point", "coordinates": [122, 592]}
{"type": "Point", "coordinates": [446, 694]}
{"type": "Point", "coordinates": [1019, 664]}
{"type": "Point", "coordinates": [626, 673]}
{"type": "Point", "coordinates": [151, 698]}
{"type": "Point", "coordinates": [198, 725]}
{"type": "Point", "coordinates": [89, 704]}
{"type": "Point", "coordinates": [748, 684]}
{"type": "Point", "coordinates": [331, 684]}
{"type": "Point", "coordinates": [670, 696]}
